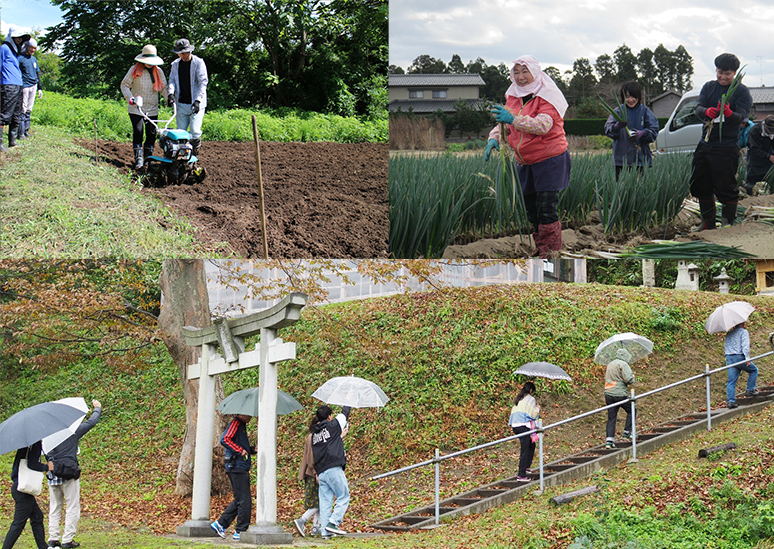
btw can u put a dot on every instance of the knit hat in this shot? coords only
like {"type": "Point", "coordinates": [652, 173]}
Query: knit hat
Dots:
{"type": "Point", "coordinates": [149, 56]}
{"type": "Point", "coordinates": [768, 124]}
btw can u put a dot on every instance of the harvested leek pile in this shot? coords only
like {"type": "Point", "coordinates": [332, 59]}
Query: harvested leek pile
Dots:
{"type": "Point", "coordinates": [686, 250]}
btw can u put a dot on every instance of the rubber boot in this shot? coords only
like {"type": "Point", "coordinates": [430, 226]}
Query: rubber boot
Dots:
{"type": "Point", "coordinates": [551, 237]}
{"type": "Point", "coordinates": [12, 135]}
{"type": "Point", "coordinates": [148, 152]}
{"type": "Point", "coordinates": [138, 163]}
{"type": "Point", "coordinates": [195, 144]}
{"type": "Point", "coordinates": [28, 124]}
{"type": "Point", "coordinates": [20, 130]}
{"type": "Point", "coordinates": [707, 209]}
{"type": "Point", "coordinates": [2, 147]}
{"type": "Point", "coordinates": [728, 214]}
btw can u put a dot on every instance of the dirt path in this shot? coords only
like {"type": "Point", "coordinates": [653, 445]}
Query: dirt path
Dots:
{"type": "Point", "coordinates": [590, 240]}
{"type": "Point", "coordinates": [321, 199]}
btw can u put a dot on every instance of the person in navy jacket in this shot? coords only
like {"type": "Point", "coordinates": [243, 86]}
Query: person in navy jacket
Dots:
{"type": "Point", "coordinates": [716, 158]}
{"type": "Point", "coordinates": [238, 463]}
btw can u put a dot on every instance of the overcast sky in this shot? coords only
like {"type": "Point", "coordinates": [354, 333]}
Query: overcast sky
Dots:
{"type": "Point", "coordinates": [557, 32]}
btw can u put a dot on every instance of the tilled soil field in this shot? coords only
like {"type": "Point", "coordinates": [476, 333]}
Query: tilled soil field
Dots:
{"type": "Point", "coordinates": [321, 199]}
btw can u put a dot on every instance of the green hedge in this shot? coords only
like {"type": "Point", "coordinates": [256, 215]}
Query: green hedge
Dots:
{"type": "Point", "coordinates": [594, 126]}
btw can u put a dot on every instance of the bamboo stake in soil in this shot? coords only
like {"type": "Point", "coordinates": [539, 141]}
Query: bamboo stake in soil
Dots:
{"type": "Point", "coordinates": [260, 190]}
{"type": "Point", "coordinates": [96, 150]}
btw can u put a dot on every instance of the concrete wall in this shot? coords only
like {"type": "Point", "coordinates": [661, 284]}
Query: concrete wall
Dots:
{"type": "Point", "coordinates": [237, 300]}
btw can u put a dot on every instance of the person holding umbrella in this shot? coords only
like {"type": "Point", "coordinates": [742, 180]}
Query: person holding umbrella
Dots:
{"type": "Point", "coordinates": [238, 451]}
{"type": "Point", "coordinates": [618, 378]}
{"type": "Point", "coordinates": [26, 506]}
{"type": "Point", "coordinates": [330, 459]}
{"type": "Point", "coordinates": [308, 476]}
{"type": "Point", "coordinates": [64, 485]}
{"type": "Point", "coordinates": [737, 349]}
{"type": "Point", "coordinates": [524, 413]}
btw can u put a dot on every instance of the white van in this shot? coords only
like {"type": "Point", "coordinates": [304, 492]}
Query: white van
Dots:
{"type": "Point", "coordinates": [683, 130]}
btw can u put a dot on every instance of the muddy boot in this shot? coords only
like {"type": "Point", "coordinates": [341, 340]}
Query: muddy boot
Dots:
{"type": "Point", "coordinates": [707, 209]}
{"type": "Point", "coordinates": [195, 144]}
{"type": "Point", "coordinates": [728, 214]}
{"type": "Point", "coordinates": [12, 135]}
{"type": "Point", "coordinates": [138, 163]}
{"type": "Point", "coordinates": [551, 238]}
{"type": "Point", "coordinates": [148, 152]}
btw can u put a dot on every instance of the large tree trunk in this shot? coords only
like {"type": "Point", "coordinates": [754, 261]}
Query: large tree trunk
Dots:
{"type": "Point", "coordinates": [185, 302]}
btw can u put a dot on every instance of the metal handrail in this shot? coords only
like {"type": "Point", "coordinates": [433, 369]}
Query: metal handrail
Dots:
{"type": "Point", "coordinates": [540, 429]}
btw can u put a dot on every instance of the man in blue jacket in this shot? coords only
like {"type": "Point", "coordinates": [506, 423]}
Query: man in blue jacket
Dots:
{"type": "Point", "coordinates": [31, 85]}
{"type": "Point", "coordinates": [188, 79]}
{"type": "Point", "coordinates": [716, 158]}
{"type": "Point", "coordinates": [11, 84]}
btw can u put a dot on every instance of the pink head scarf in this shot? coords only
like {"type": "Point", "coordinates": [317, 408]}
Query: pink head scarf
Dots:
{"type": "Point", "coordinates": [542, 86]}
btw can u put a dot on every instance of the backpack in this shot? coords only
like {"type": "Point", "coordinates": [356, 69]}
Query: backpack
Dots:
{"type": "Point", "coordinates": [66, 468]}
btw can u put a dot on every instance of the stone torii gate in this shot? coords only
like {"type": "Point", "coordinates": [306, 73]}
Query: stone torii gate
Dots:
{"type": "Point", "coordinates": [229, 335]}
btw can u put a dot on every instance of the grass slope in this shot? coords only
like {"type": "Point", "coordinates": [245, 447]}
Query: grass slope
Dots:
{"type": "Point", "coordinates": [445, 359]}
{"type": "Point", "coordinates": [42, 215]}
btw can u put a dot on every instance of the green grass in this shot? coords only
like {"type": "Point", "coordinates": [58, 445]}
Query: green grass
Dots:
{"type": "Point", "coordinates": [55, 202]}
{"type": "Point", "coordinates": [79, 116]}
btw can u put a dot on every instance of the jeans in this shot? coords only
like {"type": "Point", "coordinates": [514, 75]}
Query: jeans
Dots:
{"type": "Point", "coordinates": [733, 375]}
{"type": "Point", "coordinates": [333, 483]}
{"type": "Point", "coordinates": [186, 118]}
{"type": "Point", "coordinates": [612, 416]}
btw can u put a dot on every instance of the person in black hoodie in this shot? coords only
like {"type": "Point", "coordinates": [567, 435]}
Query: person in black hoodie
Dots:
{"type": "Point", "coordinates": [330, 459]}
{"type": "Point", "coordinates": [760, 151]}
{"type": "Point", "coordinates": [26, 505]}
{"type": "Point", "coordinates": [238, 464]}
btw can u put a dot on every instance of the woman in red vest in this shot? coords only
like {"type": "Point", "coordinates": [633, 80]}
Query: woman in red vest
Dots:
{"type": "Point", "coordinates": [534, 111]}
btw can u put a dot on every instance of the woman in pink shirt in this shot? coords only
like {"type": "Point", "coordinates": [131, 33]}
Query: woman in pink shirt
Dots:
{"type": "Point", "coordinates": [534, 111]}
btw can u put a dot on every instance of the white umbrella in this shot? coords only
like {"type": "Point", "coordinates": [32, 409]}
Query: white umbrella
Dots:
{"type": "Point", "coordinates": [352, 391]}
{"type": "Point", "coordinates": [636, 345]}
{"type": "Point", "coordinates": [727, 316]}
{"type": "Point", "coordinates": [52, 441]}
{"type": "Point", "coordinates": [543, 369]}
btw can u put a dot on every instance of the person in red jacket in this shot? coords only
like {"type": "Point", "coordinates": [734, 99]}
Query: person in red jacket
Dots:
{"type": "Point", "coordinates": [534, 111]}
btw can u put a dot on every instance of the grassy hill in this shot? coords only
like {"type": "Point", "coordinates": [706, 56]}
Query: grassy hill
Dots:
{"type": "Point", "coordinates": [446, 360]}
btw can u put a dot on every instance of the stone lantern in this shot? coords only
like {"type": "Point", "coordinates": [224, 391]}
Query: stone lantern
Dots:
{"type": "Point", "coordinates": [687, 276]}
{"type": "Point", "coordinates": [722, 280]}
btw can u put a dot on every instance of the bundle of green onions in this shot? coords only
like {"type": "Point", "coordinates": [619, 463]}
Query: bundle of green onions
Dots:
{"type": "Point", "coordinates": [686, 250]}
{"type": "Point", "coordinates": [619, 116]}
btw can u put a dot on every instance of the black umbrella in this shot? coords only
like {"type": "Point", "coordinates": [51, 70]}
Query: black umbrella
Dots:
{"type": "Point", "coordinates": [35, 423]}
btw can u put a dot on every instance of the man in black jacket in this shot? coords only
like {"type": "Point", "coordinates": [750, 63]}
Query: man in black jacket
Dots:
{"type": "Point", "coordinates": [330, 459]}
{"type": "Point", "coordinates": [717, 155]}
{"type": "Point", "coordinates": [760, 152]}
{"type": "Point", "coordinates": [64, 485]}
